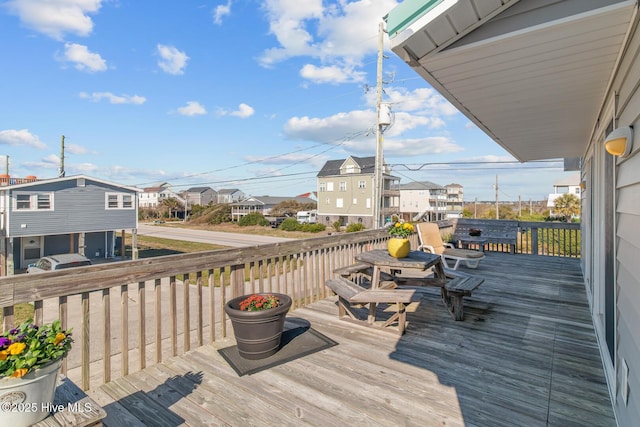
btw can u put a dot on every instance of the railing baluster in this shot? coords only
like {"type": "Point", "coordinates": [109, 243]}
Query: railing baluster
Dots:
{"type": "Point", "coordinates": [212, 306]}
{"type": "Point", "coordinates": [157, 291]}
{"type": "Point", "coordinates": [199, 308]}
{"type": "Point", "coordinates": [37, 312]}
{"type": "Point", "coordinates": [62, 315]}
{"type": "Point", "coordinates": [124, 329]}
{"type": "Point", "coordinates": [106, 355]}
{"type": "Point", "coordinates": [173, 314]}
{"type": "Point", "coordinates": [142, 331]}
{"type": "Point", "coordinates": [86, 341]}
{"type": "Point", "coordinates": [186, 325]}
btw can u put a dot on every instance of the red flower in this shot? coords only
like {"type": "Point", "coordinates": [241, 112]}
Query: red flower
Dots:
{"type": "Point", "coordinates": [257, 302]}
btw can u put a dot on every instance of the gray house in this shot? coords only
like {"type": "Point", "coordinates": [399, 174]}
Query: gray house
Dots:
{"type": "Point", "coordinates": [62, 215]}
{"type": "Point", "coordinates": [200, 196]}
{"type": "Point", "coordinates": [262, 204]}
{"type": "Point", "coordinates": [230, 195]}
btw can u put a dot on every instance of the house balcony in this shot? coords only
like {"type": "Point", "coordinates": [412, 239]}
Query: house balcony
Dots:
{"type": "Point", "coordinates": [524, 355]}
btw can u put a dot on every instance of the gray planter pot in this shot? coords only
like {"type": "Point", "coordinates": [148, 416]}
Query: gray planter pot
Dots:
{"type": "Point", "coordinates": [258, 333]}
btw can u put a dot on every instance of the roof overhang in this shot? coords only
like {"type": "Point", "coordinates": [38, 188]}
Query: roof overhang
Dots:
{"type": "Point", "coordinates": [532, 75]}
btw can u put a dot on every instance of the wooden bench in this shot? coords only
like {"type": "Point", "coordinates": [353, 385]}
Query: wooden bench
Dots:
{"type": "Point", "coordinates": [356, 271]}
{"type": "Point", "coordinates": [496, 231]}
{"type": "Point", "coordinates": [351, 296]}
{"type": "Point", "coordinates": [455, 290]}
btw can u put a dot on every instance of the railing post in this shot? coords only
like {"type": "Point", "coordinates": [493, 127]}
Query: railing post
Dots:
{"type": "Point", "coordinates": [237, 280]}
{"type": "Point", "coordinates": [534, 240]}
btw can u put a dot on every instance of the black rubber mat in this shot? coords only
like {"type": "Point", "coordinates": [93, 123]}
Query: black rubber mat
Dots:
{"type": "Point", "coordinates": [298, 340]}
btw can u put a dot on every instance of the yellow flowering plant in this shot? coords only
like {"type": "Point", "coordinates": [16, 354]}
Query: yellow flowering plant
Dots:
{"type": "Point", "coordinates": [401, 229]}
{"type": "Point", "coordinates": [28, 347]}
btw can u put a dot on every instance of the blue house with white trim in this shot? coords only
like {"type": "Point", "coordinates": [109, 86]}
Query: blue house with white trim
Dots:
{"type": "Point", "coordinates": [63, 215]}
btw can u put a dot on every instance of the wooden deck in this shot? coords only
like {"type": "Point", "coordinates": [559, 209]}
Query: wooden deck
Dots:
{"type": "Point", "coordinates": [525, 355]}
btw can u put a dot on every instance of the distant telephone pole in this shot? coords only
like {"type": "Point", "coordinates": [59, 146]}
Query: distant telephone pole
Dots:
{"type": "Point", "coordinates": [378, 176]}
{"type": "Point", "coordinates": [497, 209]}
{"type": "Point", "coordinates": [61, 172]}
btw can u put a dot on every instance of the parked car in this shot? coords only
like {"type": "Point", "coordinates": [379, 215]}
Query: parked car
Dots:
{"type": "Point", "coordinates": [58, 262]}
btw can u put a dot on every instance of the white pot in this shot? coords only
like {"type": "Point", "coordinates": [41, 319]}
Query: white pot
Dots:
{"type": "Point", "coordinates": [27, 400]}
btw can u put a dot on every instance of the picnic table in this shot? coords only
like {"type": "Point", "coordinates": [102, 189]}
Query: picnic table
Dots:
{"type": "Point", "coordinates": [388, 279]}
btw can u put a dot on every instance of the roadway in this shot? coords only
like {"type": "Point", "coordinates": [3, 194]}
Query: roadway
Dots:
{"type": "Point", "coordinates": [234, 240]}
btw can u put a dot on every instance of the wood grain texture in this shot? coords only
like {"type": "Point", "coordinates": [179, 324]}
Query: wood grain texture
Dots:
{"type": "Point", "coordinates": [525, 355]}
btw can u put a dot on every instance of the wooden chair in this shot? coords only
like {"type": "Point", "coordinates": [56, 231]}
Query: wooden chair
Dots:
{"type": "Point", "coordinates": [431, 241]}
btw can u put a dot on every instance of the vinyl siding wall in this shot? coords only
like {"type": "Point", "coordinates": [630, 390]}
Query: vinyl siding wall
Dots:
{"type": "Point", "coordinates": [76, 209]}
{"type": "Point", "coordinates": [628, 237]}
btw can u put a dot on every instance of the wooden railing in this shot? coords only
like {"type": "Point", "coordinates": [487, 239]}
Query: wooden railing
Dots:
{"type": "Point", "coordinates": [127, 315]}
{"type": "Point", "coordinates": [549, 238]}
{"type": "Point", "coordinates": [538, 238]}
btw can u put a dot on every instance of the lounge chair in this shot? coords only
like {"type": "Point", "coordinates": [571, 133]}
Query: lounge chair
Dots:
{"type": "Point", "coordinates": [431, 241]}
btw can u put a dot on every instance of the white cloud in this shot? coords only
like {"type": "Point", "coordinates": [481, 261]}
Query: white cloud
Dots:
{"type": "Point", "coordinates": [55, 18]}
{"type": "Point", "coordinates": [193, 108]}
{"type": "Point", "coordinates": [423, 101]}
{"type": "Point", "coordinates": [332, 74]}
{"type": "Point", "coordinates": [75, 149]}
{"type": "Point", "coordinates": [83, 59]}
{"type": "Point", "coordinates": [288, 23]}
{"type": "Point", "coordinates": [18, 138]}
{"type": "Point", "coordinates": [341, 33]}
{"type": "Point", "coordinates": [172, 60]}
{"type": "Point", "coordinates": [290, 159]}
{"type": "Point", "coordinates": [242, 112]}
{"type": "Point", "coordinates": [221, 11]}
{"type": "Point", "coordinates": [420, 146]}
{"type": "Point", "coordinates": [332, 129]}
{"type": "Point", "coordinates": [113, 99]}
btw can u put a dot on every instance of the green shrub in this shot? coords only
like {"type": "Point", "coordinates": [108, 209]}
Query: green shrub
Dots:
{"type": "Point", "coordinates": [312, 228]}
{"type": "Point", "coordinates": [289, 224]}
{"type": "Point", "coordinates": [354, 227]}
{"type": "Point", "coordinates": [254, 218]}
{"type": "Point", "coordinates": [337, 225]}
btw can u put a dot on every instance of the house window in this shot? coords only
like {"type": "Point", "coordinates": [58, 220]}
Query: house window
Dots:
{"type": "Point", "coordinates": [350, 169]}
{"type": "Point", "coordinates": [355, 201]}
{"type": "Point", "coordinates": [34, 202]}
{"type": "Point", "coordinates": [329, 186]}
{"type": "Point", "coordinates": [327, 201]}
{"type": "Point", "coordinates": [362, 184]}
{"type": "Point", "coordinates": [339, 203]}
{"type": "Point", "coordinates": [323, 186]}
{"type": "Point", "coordinates": [23, 201]}
{"type": "Point", "coordinates": [343, 186]}
{"type": "Point", "coordinates": [44, 201]}
{"type": "Point", "coordinates": [118, 201]}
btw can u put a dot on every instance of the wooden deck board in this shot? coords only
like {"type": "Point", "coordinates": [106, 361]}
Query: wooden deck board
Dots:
{"type": "Point", "coordinates": [525, 355]}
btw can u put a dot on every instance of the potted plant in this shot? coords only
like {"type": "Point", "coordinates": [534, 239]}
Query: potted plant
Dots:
{"type": "Point", "coordinates": [258, 321]}
{"type": "Point", "coordinates": [30, 358]}
{"type": "Point", "coordinates": [399, 246]}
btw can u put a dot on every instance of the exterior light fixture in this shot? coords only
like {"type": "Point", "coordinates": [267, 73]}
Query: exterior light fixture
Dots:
{"type": "Point", "coordinates": [619, 142]}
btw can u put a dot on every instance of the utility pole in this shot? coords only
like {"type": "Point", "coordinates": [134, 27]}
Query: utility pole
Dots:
{"type": "Point", "coordinates": [61, 172]}
{"type": "Point", "coordinates": [519, 206]}
{"type": "Point", "coordinates": [497, 214]}
{"type": "Point", "coordinates": [378, 177]}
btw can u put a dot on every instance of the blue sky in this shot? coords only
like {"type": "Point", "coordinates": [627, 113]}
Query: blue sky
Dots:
{"type": "Point", "coordinates": [255, 95]}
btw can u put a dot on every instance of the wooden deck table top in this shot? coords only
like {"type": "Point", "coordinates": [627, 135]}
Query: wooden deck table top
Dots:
{"type": "Point", "coordinates": [416, 260]}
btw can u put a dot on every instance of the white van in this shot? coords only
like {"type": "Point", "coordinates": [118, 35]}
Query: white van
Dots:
{"type": "Point", "coordinates": [58, 262]}
{"type": "Point", "coordinates": [307, 217]}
